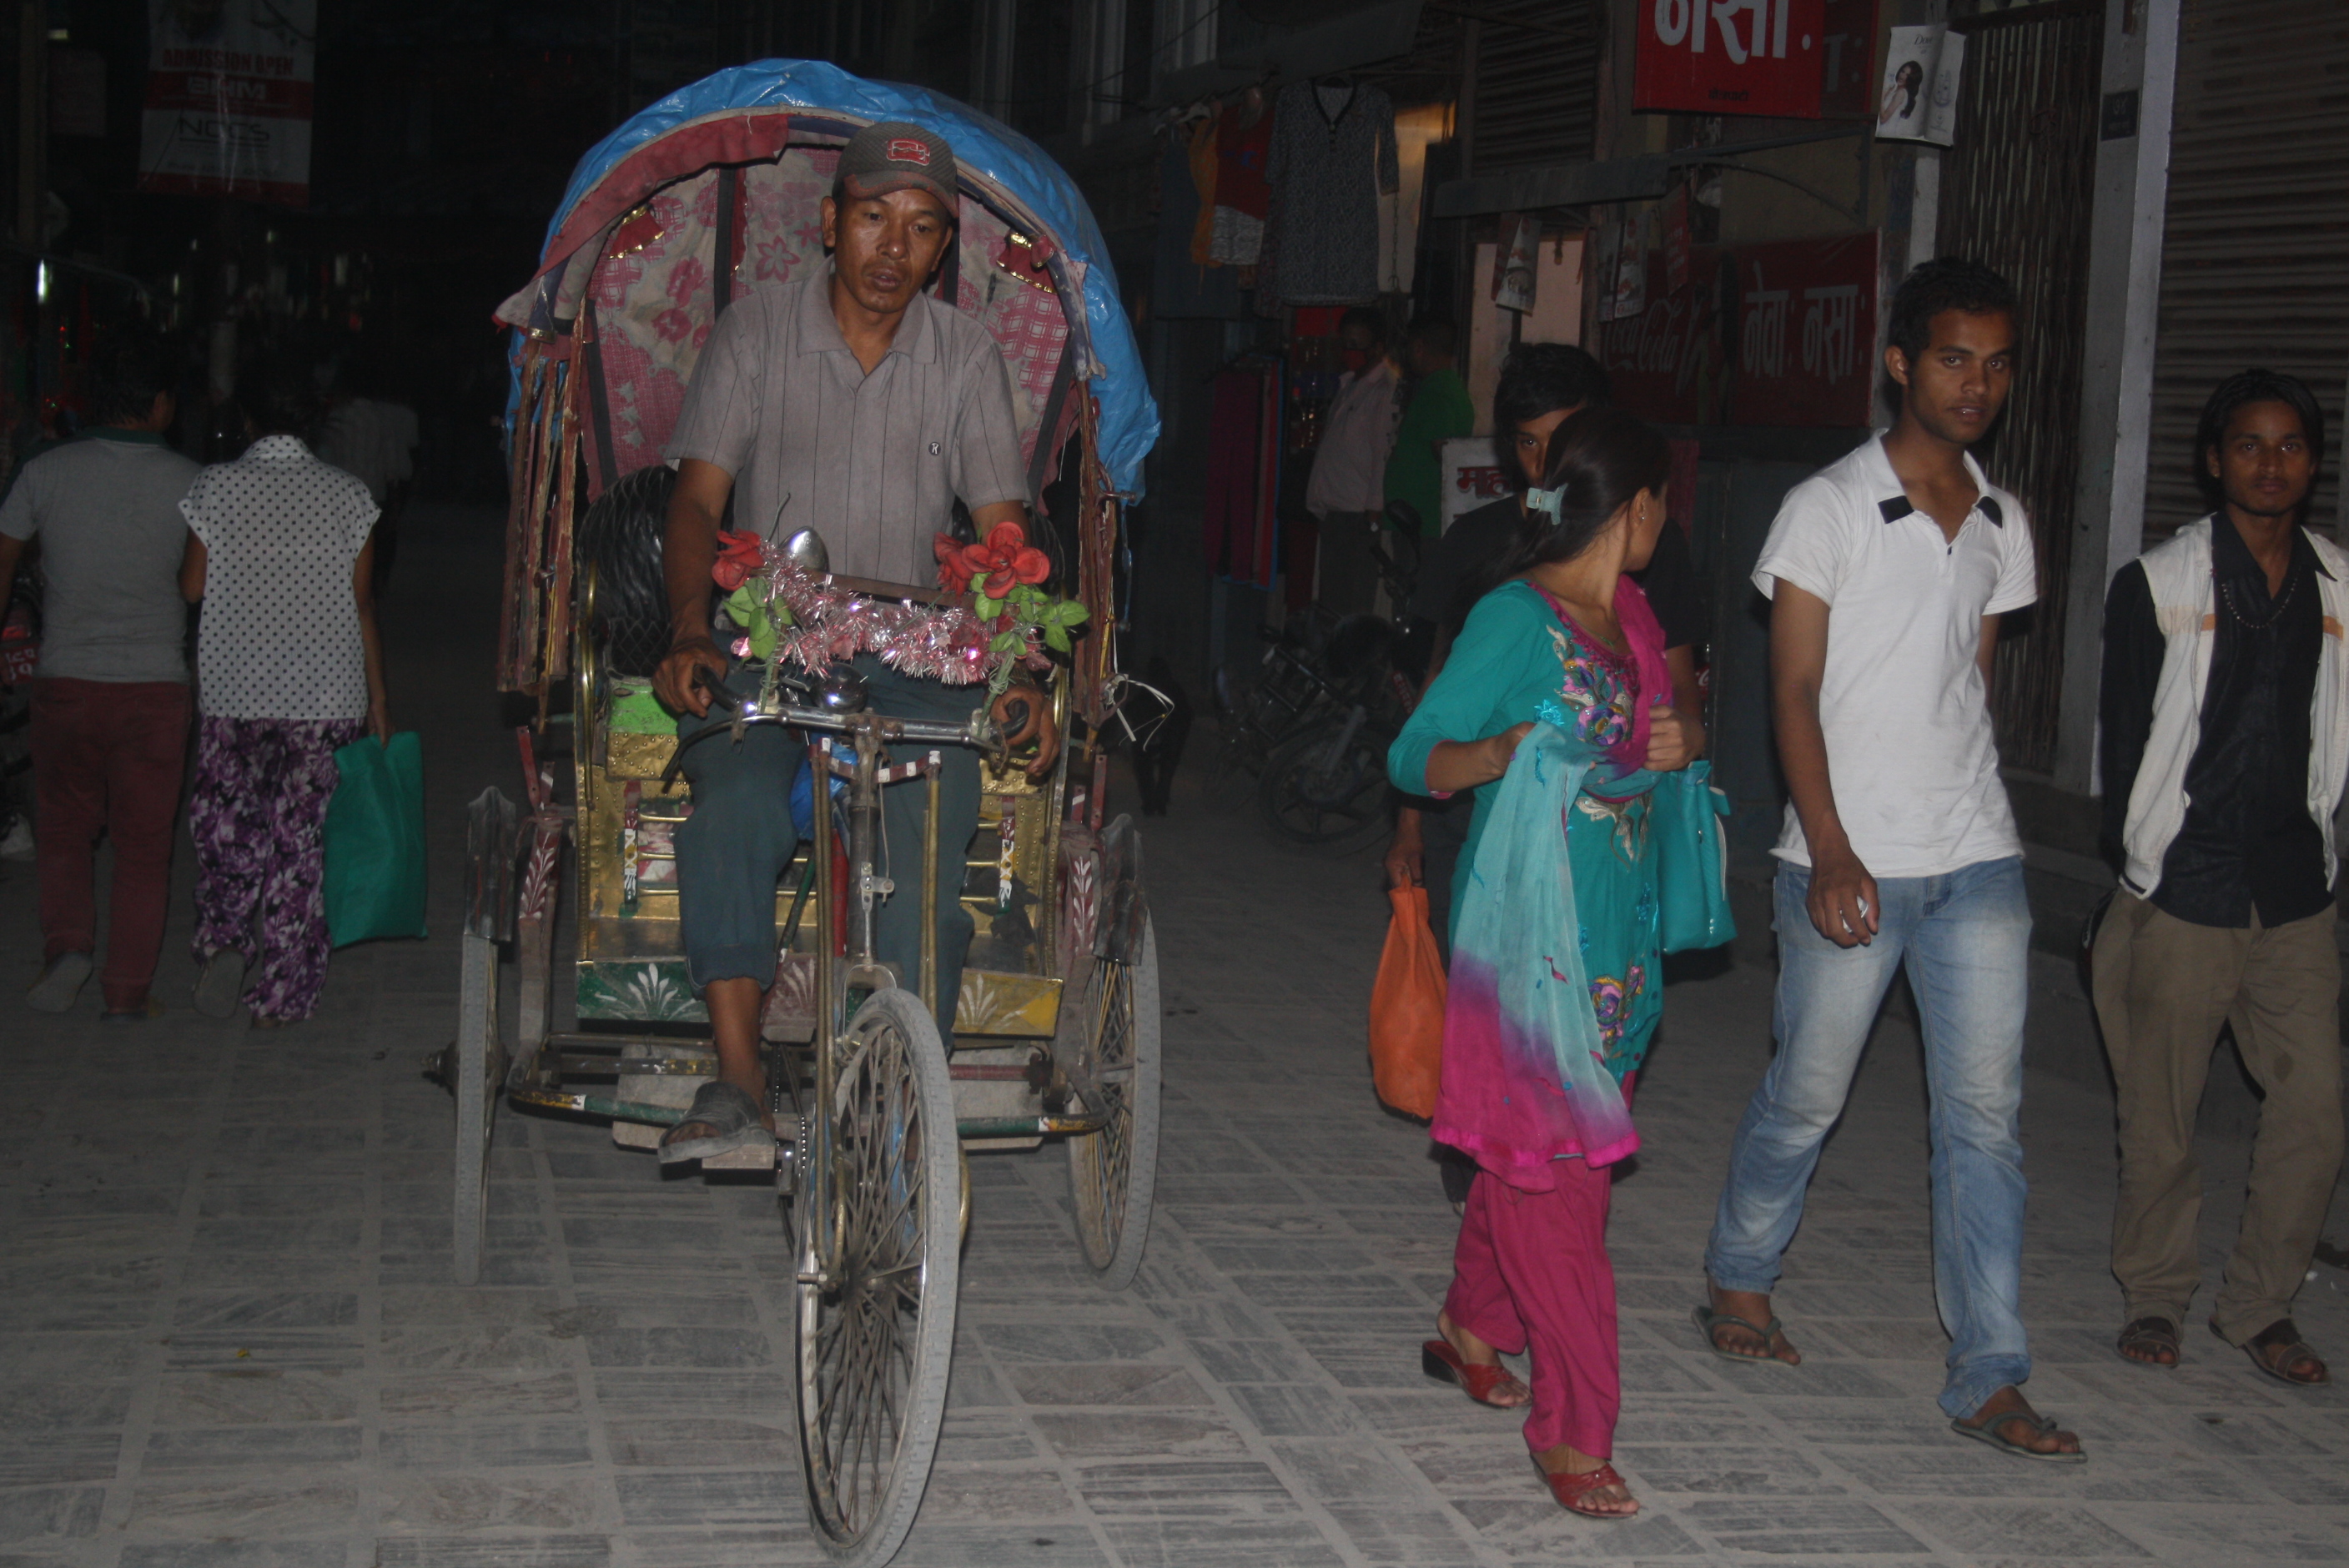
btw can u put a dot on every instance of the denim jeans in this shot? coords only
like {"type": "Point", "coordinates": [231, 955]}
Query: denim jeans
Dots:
{"type": "Point", "coordinates": [1966, 939]}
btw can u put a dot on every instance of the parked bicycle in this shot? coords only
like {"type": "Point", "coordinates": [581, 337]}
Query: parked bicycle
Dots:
{"type": "Point", "coordinates": [1323, 780]}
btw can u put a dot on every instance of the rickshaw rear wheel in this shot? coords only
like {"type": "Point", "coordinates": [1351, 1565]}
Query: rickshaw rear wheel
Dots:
{"type": "Point", "coordinates": [1114, 1174]}
{"type": "Point", "coordinates": [875, 1331]}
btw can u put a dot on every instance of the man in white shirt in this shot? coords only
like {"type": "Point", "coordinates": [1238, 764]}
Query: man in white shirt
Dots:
{"type": "Point", "coordinates": [1347, 490]}
{"type": "Point", "coordinates": [1888, 573]}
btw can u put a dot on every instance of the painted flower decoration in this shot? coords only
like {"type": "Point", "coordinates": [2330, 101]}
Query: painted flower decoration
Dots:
{"type": "Point", "coordinates": [740, 556]}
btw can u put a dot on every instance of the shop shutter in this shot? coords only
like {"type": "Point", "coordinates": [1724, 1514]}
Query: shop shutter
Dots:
{"type": "Point", "coordinates": [2255, 247]}
{"type": "Point", "coordinates": [1536, 92]}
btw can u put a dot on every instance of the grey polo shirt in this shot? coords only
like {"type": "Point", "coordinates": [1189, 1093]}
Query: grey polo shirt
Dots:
{"type": "Point", "coordinates": [106, 511]}
{"type": "Point", "coordinates": [872, 462]}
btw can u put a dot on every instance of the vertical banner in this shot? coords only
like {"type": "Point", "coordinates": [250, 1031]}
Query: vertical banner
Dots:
{"type": "Point", "coordinates": [228, 99]}
{"type": "Point", "coordinates": [1732, 56]}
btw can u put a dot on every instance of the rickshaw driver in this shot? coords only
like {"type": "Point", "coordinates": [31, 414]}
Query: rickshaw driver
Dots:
{"type": "Point", "coordinates": [875, 405]}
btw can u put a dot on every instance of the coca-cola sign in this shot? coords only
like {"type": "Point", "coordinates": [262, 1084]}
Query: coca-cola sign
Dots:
{"type": "Point", "coordinates": [1732, 56]}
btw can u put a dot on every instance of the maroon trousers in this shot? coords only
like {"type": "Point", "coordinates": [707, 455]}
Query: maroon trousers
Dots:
{"type": "Point", "coordinates": [107, 760]}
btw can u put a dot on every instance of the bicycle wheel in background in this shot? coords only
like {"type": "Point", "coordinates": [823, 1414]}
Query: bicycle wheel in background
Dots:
{"type": "Point", "coordinates": [1327, 785]}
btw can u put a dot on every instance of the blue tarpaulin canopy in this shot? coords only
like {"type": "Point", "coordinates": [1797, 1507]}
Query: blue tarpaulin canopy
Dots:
{"type": "Point", "coordinates": [714, 120]}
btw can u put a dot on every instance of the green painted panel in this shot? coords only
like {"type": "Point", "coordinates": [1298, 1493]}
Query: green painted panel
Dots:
{"type": "Point", "coordinates": [635, 711]}
{"type": "Point", "coordinates": [651, 991]}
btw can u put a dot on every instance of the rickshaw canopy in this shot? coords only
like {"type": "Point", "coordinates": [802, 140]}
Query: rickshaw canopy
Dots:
{"type": "Point", "coordinates": [747, 117]}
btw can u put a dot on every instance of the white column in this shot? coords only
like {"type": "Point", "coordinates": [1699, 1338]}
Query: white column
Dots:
{"type": "Point", "coordinates": [2117, 382]}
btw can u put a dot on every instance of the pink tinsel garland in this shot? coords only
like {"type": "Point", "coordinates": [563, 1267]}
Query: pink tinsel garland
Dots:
{"type": "Point", "coordinates": [946, 643]}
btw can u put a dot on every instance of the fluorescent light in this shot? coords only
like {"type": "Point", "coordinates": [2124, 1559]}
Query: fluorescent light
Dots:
{"type": "Point", "coordinates": [41, 283]}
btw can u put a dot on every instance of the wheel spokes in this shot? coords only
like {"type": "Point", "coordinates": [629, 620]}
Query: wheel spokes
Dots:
{"type": "Point", "coordinates": [867, 1313]}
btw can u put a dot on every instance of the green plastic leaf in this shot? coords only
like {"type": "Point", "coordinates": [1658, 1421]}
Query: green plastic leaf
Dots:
{"type": "Point", "coordinates": [1056, 639]}
{"type": "Point", "coordinates": [1008, 643]}
{"type": "Point", "coordinates": [740, 602]}
{"type": "Point", "coordinates": [978, 583]}
{"type": "Point", "coordinates": [989, 608]}
{"type": "Point", "coordinates": [762, 633]}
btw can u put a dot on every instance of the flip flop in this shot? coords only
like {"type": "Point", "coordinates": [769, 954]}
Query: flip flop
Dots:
{"type": "Point", "coordinates": [2150, 1334]}
{"type": "Point", "coordinates": [719, 1105]}
{"type": "Point", "coordinates": [1988, 1433]}
{"type": "Point", "coordinates": [1709, 1321]}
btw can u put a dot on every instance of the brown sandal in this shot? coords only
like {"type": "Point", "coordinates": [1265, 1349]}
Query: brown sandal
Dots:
{"type": "Point", "coordinates": [2150, 1334]}
{"type": "Point", "coordinates": [2281, 1335]}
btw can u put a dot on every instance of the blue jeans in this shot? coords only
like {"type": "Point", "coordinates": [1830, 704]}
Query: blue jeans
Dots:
{"type": "Point", "coordinates": [1966, 939]}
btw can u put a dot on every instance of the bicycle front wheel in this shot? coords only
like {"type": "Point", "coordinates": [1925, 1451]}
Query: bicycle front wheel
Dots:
{"type": "Point", "coordinates": [875, 1316]}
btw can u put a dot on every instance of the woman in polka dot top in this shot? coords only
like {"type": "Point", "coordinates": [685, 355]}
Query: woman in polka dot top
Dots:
{"type": "Point", "coordinates": [288, 669]}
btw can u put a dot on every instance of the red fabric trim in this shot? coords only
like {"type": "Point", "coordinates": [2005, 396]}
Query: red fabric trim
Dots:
{"type": "Point", "coordinates": [728, 139]}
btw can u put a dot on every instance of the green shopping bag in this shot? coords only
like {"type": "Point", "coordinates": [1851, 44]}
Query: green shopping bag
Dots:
{"type": "Point", "coordinates": [374, 841]}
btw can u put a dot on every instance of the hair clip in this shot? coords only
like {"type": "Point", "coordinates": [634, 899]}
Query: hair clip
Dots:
{"type": "Point", "coordinates": [1550, 501]}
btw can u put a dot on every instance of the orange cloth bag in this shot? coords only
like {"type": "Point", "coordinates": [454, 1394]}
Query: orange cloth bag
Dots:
{"type": "Point", "coordinates": [1407, 1009]}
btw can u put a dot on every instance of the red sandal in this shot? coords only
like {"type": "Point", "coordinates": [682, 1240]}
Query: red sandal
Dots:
{"type": "Point", "coordinates": [1445, 1365]}
{"type": "Point", "coordinates": [1570, 1489]}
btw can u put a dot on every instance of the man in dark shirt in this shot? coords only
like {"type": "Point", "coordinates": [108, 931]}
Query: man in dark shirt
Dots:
{"type": "Point", "coordinates": [2224, 734]}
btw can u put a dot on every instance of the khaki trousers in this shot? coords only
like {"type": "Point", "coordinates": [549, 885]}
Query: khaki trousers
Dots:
{"type": "Point", "coordinates": [2163, 987]}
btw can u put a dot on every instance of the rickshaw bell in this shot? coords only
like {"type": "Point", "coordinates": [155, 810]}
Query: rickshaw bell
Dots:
{"type": "Point", "coordinates": [856, 402]}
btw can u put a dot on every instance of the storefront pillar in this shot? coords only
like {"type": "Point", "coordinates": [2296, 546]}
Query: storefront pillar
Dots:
{"type": "Point", "coordinates": [2140, 67]}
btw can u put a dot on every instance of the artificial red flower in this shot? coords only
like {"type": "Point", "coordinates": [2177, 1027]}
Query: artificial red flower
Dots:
{"type": "Point", "coordinates": [739, 557]}
{"type": "Point", "coordinates": [1005, 553]}
{"type": "Point", "coordinates": [952, 575]}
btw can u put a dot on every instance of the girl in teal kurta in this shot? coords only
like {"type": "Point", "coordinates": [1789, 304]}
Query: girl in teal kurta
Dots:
{"type": "Point", "coordinates": [1545, 1030]}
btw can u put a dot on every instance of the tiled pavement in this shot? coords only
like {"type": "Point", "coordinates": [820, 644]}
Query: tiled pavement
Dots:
{"type": "Point", "coordinates": [228, 1338]}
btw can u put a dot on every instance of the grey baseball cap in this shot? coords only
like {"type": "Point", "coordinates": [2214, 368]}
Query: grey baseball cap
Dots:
{"type": "Point", "coordinates": [896, 155]}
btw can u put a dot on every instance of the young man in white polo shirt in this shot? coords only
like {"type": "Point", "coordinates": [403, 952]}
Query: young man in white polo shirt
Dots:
{"type": "Point", "coordinates": [1888, 573]}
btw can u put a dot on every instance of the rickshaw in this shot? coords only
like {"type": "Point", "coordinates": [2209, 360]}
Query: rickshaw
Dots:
{"type": "Point", "coordinates": [710, 192]}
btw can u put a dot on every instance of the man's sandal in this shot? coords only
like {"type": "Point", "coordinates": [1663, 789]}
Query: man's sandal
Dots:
{"type": "Point", "coordinates": [2149, 1334]}
{"type": "Point", "coordinates": [1710, 1323]}
{"type": "Point", "coordinates": [1440, 1361]}
{"type": "Point", "coordinates": [1570, 1489]}
{"type": "Point", "coordinates": [2293, 1351]}
{"type": "Point", "coordinates": [732, 1116]}
{"type": "Point", "coordinates": [1988, 1432]}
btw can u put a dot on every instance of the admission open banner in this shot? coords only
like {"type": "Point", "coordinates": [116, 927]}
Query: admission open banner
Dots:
{"type": "Point", "coordinates": [228, 99]}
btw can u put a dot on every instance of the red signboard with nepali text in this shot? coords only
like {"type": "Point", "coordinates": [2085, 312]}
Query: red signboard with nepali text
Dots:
{"type": "Point", "coordinates": [1805, 336]}
{"type": "Point", "coordinates": [1732, 56]}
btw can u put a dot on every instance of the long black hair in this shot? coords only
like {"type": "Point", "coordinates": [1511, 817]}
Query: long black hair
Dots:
{"type": "Point", "coordinates": [1597, 461]}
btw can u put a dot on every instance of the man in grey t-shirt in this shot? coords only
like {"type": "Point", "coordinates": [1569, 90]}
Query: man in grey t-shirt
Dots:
{"type": "Point", "coordinates": [854, 403]}
{"type": "Point", "coordinates": [110, 693]}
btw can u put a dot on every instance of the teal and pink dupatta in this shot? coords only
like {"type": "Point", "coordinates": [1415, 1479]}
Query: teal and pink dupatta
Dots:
{"type": "Point", "coordinates": [1525, 1081]}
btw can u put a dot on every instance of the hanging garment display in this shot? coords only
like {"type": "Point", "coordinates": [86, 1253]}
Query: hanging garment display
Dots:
{"type": "Point", "coordinates": [1184, 289]}
{"type": "Point", "coordinates": [1334, 155]}
{"type": "Point", "coordinates": [1240, 531]}
{"type": "Point", "coordinates": [1243, 195]}
{"type": "Point", "coordinates": [1199, 137]}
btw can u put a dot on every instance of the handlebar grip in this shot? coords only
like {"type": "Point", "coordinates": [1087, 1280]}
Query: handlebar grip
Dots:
{"type": "Point", "coordinates": [1016, 714]}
